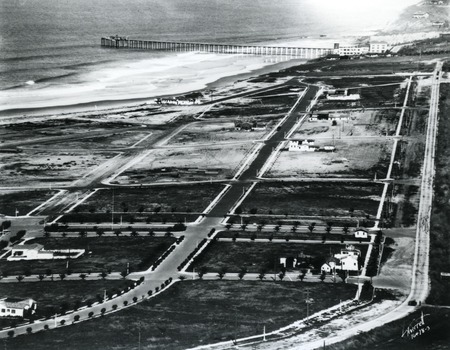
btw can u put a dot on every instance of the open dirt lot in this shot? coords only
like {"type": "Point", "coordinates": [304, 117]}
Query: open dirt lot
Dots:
{"type": "Point", "coordinates": [207, 132]}
{"type": "Point", "coordinates": [352, 158]}
{"type": "Point", "coordinates": [185, 164]}
{"type": "Point", "coordinates": [47, 167]}
{"type": "Point", "coordinates": [361, 123]}
{"type": "Point", "coordinates": [314, 199]}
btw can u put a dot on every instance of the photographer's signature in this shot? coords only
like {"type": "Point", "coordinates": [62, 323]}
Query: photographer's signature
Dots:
{"type": "Point", "coordinates": [416, 328]}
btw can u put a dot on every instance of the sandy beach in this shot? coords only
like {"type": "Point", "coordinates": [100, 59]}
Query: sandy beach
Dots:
{"type": "Point", "coordinates": [121, 83]}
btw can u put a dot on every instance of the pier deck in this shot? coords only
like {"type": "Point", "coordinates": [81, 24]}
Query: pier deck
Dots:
{"type": "Point", "coordinates": [300, 52]}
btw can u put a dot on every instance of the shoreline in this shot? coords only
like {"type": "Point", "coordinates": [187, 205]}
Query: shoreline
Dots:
{"type": "Point", "coordinates": [105, 105]}
{"type": "Point", "coordinates": [179, 80]}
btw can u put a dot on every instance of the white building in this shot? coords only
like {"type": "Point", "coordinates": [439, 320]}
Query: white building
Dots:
{"type": "Point", "coordinates": [33, 251]}
{"type": "Point", "coordinates": [360, 233]}
{"type": "Point", "coordinates": [378, 47]}
{"type": "Point", "coordinates": [421, 15]}
{"type": "Point", "coordinates": [351, 50]}
{"type": "Point", "coordinates": [17, 307]}
{"type": "Point", "coordinates": [350, 263]}
{"type": "Point", "coordinates": [36, 251]}
{"type": "Point", "coordinates": [302, 146]}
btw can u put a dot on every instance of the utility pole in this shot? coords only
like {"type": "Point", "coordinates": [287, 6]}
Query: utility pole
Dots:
{"type": "Point", "coordinates": [139, 336]}
{"type": "Point", "coordinates": [307, 304]}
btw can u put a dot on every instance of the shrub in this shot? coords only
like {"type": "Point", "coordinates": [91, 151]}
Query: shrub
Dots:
{"type": "Point", "coordinates": [29, 330]}
{"type": "Point", "coordinates": [11, 334]}
{"type": "Point", "coordinates": [63, 322]}
{"type": "Point", "coordinates": [135, 299]}
{"type": "Point", "coordinates": [103, 311]}
{"type": "Point", "coordinates": [90, 314]}
{"type": "Point", "coordinates": [76, 318]}
{"type": "Point", "coordinates": [46, 327]}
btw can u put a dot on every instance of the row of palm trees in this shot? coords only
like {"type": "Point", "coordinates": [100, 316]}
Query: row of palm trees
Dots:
{"type": "Point", "coordinates": [311, 227]}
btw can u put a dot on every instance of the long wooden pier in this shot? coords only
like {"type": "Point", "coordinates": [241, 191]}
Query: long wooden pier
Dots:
{"type": "Point", "coordinates": [300, 52]}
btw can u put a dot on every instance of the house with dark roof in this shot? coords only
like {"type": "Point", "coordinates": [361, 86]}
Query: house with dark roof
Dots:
{"type": "Point", "coordinates": [14, 307]}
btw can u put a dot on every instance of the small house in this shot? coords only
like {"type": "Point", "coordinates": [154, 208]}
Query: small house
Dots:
{"type": "Point", "coordinates": [29, 252]}
{"type": "Point", "coordinates": [421, 15]}
{"type": "Point", "coordinates": [360, 233]}
{"type": "Point", "coordinates": [14, 307]}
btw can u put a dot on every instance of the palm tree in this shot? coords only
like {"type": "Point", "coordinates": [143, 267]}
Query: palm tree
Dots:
{"type": "Point", "coordinates": [277, 228]}
{"type": "Point", "coordinates": [82, 233]}
{"type": "Point", "coordinates": [20, 278]}
{"type": "Point", "coordinates": [103, 274]}
{"type": "Point", "coordinates": [243, 227]}
{"type": "Point", "coordinates": [41, 277]}
{"type": "Point", "coordinates": [117, 233]}
{"type": "Point", "coordinates": [83, 276]}
{"type": "Point", "coordinates": [262, 275]}
{"type": "Point", "coordinates": [151, 233]}
{"type": "Point", "coordinates": [281, 275]}
{"type": "Point", "coordinates": [242, 273]}
{"type": "Point", "coordinates": [294, 229]}
{"type": "Point", "coordinates": [100, 232]}
{"type": "Point", "coordinates": [311, 228]}
{"type": "Point", "coordinates": [328, 229]}
{"type": "Point", "coordinates": [134, 233]}
{"type": "Point", "coordinates": [62, 276]}
{"type": "Point", "coordinates": [345, 229]}
{"type": "Point", "coordinates": [201, 271]}
{"type": "Point", "coordinates": [222, 273]}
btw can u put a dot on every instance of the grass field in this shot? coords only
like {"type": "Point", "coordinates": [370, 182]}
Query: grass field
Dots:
{"type": "Point", "coordinates": [23, 201]}
{"type": "Point", "coordinates": [102, 254]}
{"type": "Point", "coordinates": [184, 198]}
{"type": "Point", "coordinates": [314, 199]}
{"type": "Point", "coordinates": [194, 313]}
{"type": "Point", "coordinates": [50, 296]}
{"type": "Point", "coordinates": [263, 256]}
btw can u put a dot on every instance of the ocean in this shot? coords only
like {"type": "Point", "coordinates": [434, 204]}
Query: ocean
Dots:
{"type": "Point", "coordinates": [50, 50]}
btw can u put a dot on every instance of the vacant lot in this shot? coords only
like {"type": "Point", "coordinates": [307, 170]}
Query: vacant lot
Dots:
{"type": "Point", "coordinates": [207, 132]}
{"type": "Point", "coordinates": [360, 158]}
{"type": "Point", "coordinates": [355, 82]}
{"type": "Point", "coordinates": [194, 313]}
{"type": "Point", "coordinates": [183, 198]}
{"type": "Point", "coordinates": [354, 124]}
{"type": "Point", "coordinates": [188, 163]}
{"type": "Point", "coordinates": [102, 254]}
{"type": "Point", "coordinates": [52, 167]}
{"type": "Point", "coordinates": [314, 199]}
{"type": "Point", "coordinates": [22, 201]}
{"type": "Point", "coordinates": [264, 256]}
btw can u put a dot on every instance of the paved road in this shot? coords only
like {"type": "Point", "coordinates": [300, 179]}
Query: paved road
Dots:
{"type": "Point", "coordinates": [420, 281]}
{"type": "Point", "coordinates": [193, 234]}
